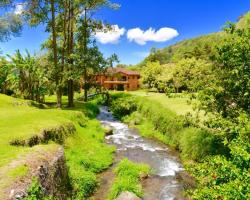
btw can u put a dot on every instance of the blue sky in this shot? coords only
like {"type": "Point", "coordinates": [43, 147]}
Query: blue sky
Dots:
{"type": "Point", "coordinates": [190, 18]}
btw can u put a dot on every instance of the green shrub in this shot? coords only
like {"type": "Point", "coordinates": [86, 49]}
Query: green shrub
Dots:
{"type": "Point", "coordinates": [196, 143]}
{"type": "Point", "coordinates": [134, 119]}
{"type": "Point", "coordinates": [226, 177]}
{"type": "Point", "coordinates": [219, 178]}
{"type": "Point", "coordinates": [122, 107]}
{"type": "Point", "coordinates": [166, 126]}
{"type": "Point", "coordinates": [163, 120]}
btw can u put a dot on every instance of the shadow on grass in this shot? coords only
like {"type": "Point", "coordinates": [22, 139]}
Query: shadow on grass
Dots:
{"type": "Point", "coordinates": [90, 108]}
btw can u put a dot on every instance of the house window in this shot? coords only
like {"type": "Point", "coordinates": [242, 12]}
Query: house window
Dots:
{"type": "Point", "coordinates": [124, 78]}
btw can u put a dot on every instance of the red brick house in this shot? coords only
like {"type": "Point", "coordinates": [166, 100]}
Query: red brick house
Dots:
{"type": "Point", "coordinates": [119, 79]}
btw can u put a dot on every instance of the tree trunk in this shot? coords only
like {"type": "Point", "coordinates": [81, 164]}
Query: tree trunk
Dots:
{"type": "Point", "coordinates": [70, 50]}
{"type": "Point", "coordinates": [70, 93]}
{"type": "Point", "coordinates": [59, 98]}
{"type": "Point", "coordinates": [55, 58]}
{"type": "Point", "coordinates": [85, 92]}
{"type": "Point", "coordinates": [85, 52]}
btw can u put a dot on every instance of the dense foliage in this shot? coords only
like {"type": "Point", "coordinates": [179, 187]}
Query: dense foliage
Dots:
{"type": "Point", "coordinates": [230, 92]}
{"type": "Point", "coordinates": [217, 68]}
{"type": "Point", "coordinates": [167, 126]}
{"type": "Point", "coordinates": [71, 59]}
{"type": "Point", "coordinates": [10, 25]}
{"type": "Point", "coordinates": [228, 175]}
{"type": "Point", "coordinates": [188, 74]}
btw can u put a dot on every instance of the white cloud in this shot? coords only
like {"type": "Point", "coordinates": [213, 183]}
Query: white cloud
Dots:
{"type": "Point", "coordinates": [19, 8]}
{"type": "Point", "coordinates": [111, 36]}
{"type": "Point", "coordinates": [142, 37]}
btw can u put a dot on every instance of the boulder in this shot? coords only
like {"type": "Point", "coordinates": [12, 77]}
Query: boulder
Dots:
{"type": "Point", "coordinates": [50, 169]}
{"type": "Point", "coordinates": [143, 176]}
{"type": "Point", "coordinates": [127, 196]}
{"type": "Point", "coordinates": [108, 131]}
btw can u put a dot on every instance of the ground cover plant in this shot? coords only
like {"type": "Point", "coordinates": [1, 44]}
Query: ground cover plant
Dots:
{"type": "Point", "coordinates": [194, 96]}
{"type": "Point", "coordinates": [157, 121]}
{"type": "Point", "coordinates": [127, 178]}
{"type": "Point", "coordinates": [85, 151]}
{"type": "Point", "coordinates": [228, 159]}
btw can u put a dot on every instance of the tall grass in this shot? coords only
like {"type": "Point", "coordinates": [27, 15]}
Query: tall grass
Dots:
{"type": "Point", "coordinates": [128, 178]}
{"type": "Point", "coordinates": [155, 121]}
{"type": "Point", "coordinates": [87, 155]}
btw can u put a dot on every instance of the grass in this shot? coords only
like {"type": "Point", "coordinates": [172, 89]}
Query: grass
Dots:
{"type": "Point", "coordinates": [161, 123]}
{"type": "Point", "coordinates": [85, 151]}
{"type": "Point", "coordinates": [128, 178]}
{"type": "Point", "coordinates": [19, 171]}
{"type": "Point", "coordinates": [19, 120]}
{"type": "Point", "coordinates": [146, 128]}
{"type": "Point", "coordinates": [87, 154]}
{"type": "Point", "coordinates": [179, 105]}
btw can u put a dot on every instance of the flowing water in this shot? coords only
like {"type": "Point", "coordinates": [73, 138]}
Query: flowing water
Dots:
{"type": "Point", "coordinates": [162, 185]}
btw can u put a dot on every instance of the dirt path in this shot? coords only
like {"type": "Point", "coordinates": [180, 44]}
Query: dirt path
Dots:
{"type": "Point", "coordinates": [106, 180]}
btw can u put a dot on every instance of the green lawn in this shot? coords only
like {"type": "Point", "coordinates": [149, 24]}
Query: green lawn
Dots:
{"type": "Point", "coordinates": [179, 105]}
{"type": "Point", "coordinates": [19, 120]}
{"type": "Point", "coordinates": [85, 151]}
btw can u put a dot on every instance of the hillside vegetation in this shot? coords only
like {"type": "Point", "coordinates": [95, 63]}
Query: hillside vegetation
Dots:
{"type": "Point", "coordinates": [28, 133]}
{"type": "Point", "coordinates": [213, 70]}
{"type": "Point", "coordinates": [220, 166]}
{"type": "Point", "coordinates": [202, 47]}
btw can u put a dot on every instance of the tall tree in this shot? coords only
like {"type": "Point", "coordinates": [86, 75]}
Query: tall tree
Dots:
{"type": "Point", "coordinates": [230, 93]}
{"type": "Point", "coordinates": [87, 27]}
{"type": "Point", "coordinates": [46, 11]}
{"type": "Point", "coordinates": [113, 59]}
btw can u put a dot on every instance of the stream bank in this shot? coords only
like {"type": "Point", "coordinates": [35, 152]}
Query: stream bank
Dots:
{"type": "Point", "coordinates": [163, 184]}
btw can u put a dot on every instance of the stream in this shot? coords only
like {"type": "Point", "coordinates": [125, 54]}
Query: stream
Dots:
{"type": "Point", "coordinates": [162, 184]}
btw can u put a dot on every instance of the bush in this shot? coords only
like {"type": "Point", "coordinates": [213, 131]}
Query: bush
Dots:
{"type": "Point", "coordinates": [219, 178]}
{"type": "Point", "coordinates": [163, 120]}
{"type": "Point", "coordinates": [122, 107]}
{"type": "Point", "coordinates": [168, 127]}
{"type": "Point", "coordinates": [134, 119]}
{"type": "Point", "coordinates": [196, 143]}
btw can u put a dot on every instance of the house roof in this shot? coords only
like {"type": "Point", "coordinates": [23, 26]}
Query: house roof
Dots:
{"type": "Point", "coordinates": [122, 70]}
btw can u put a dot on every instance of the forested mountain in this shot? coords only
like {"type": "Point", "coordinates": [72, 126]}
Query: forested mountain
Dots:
{"type": "Point", "coordinates": [187, 65]}
{"type": "Point", "coordinates": [202, 47]}
{"type": "Point", "coordinates": [244, 21]}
